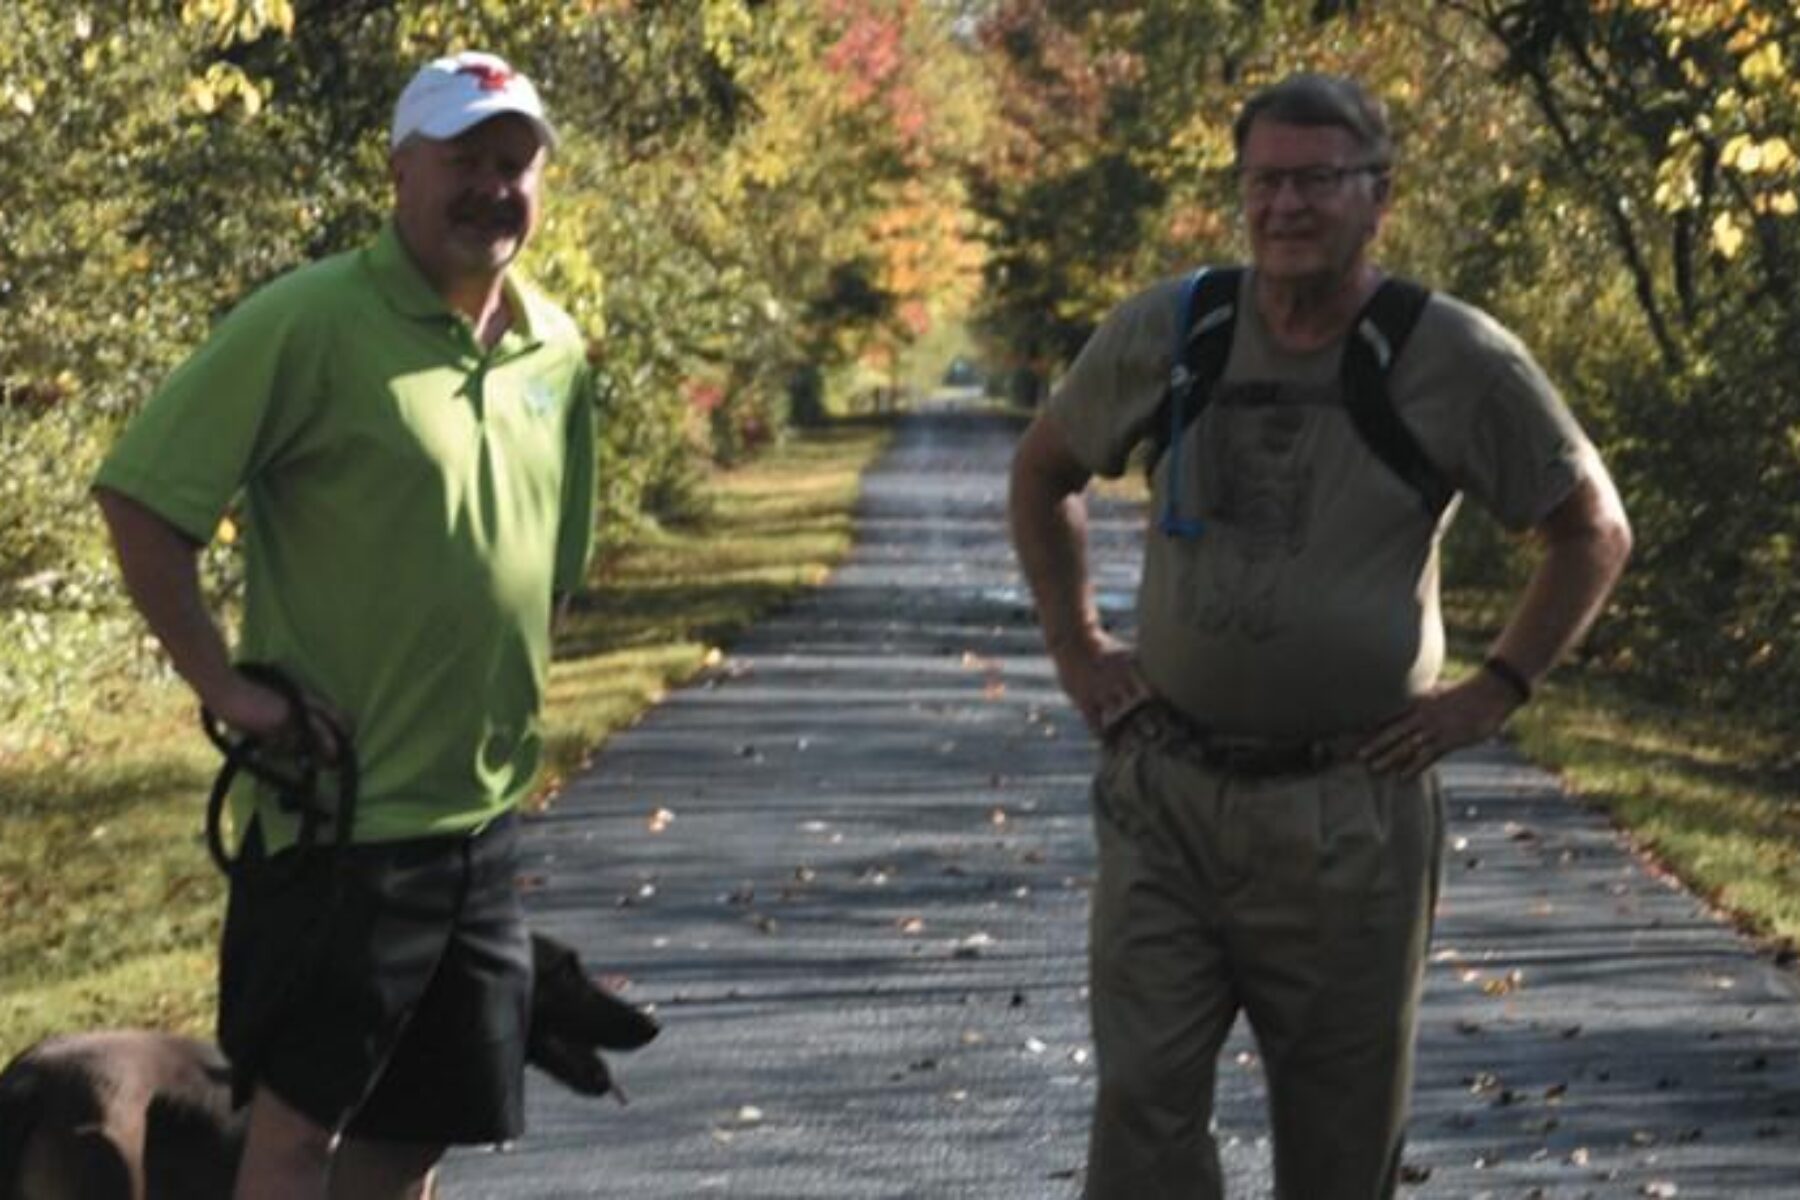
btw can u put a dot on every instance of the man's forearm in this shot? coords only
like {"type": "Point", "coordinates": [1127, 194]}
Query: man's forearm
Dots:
{"type": "Point", "coordinates": [1052, 547]}
{"type": "Point", "coordinates": [1049, 533]}
{"type": "Point", "coordinates": [161, 571]}
{"type": "Point", "coordinates": [1586, 545]}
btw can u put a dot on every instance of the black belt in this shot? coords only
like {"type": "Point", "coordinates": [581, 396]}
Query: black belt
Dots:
{"type": "Point", "coordinates": [292, 770]}
{"type": "Point", "coordinates": [1159, 724]}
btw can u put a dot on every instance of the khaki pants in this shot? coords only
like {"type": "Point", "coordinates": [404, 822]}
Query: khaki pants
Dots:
{"type": "Point", "coordinates": [1305, 901]}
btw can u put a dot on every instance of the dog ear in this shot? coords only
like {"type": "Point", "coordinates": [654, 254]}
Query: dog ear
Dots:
{"type": "Point", "coordinates": [549, 955]}
{"type": "Point", "coordinates": [567, 1004]}
{"type": "Point", "coordinates": [578, 1068]}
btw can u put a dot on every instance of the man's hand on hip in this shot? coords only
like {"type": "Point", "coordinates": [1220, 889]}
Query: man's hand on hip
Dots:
{"type": "Point", "coordinates": [1446, 718]}
{"type": "Point", "coordinates": [1100, 675]}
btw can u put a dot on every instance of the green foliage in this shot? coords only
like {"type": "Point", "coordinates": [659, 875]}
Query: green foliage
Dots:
{"type": "Point", "coordinates": [759, 204]}
{"type": "Point", "coordinates": [723, 165]}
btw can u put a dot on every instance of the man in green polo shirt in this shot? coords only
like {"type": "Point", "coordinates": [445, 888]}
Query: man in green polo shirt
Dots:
{"type": "Point", "coordinates": [410, 430]}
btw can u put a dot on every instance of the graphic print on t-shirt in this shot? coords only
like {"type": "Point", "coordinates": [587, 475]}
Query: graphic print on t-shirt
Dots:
{"type": "Point", "coordinates": [1256, 493]}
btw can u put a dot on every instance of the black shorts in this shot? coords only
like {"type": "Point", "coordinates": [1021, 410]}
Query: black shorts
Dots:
{"type": "Point", "coordinates": [386, 996]}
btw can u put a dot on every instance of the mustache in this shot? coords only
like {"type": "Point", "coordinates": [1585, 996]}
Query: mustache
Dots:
{"type": "Point", "coordinates": [507, 214]}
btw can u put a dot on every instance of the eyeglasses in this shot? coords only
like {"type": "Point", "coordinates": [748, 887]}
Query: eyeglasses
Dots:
{"type": "Point", "coordinates": [1310, 183]}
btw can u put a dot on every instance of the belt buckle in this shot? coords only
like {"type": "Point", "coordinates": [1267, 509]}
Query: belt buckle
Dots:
{"type": "Point", "coordinates": [1273, 758]}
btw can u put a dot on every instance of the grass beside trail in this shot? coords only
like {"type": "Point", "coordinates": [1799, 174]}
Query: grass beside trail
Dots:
{"type": "Point", "coordinates": [1708, 797]}
{"type": "Point", "coordinates": [1713, 798]}
{"type": "Point", "coordinates": [109, 907]}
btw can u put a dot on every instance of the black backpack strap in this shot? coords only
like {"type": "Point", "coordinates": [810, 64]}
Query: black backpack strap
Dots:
{"type": "Point", "coordinates": [1374, 345]}
{"type": "Point", "coordinates": [1202, 344]}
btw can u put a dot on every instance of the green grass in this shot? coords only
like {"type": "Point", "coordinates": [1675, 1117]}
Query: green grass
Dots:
{"type": "Point", "coordinates": [1710, 798]}
{"type": "Point", "coordinates": [1713, 798]}
{"type": "Point", "coordinates": [109, 906]}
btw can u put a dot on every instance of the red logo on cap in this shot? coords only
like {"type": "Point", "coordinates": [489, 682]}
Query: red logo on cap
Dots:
{"type": "Point", "coordinates": [489, 79]}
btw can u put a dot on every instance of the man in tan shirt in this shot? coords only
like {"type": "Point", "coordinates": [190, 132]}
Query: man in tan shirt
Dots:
{"type": "Point", "coordinates": [1268, 821]}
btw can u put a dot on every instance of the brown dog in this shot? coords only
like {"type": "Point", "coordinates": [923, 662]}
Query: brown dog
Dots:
{"type": "Point", "coordinates": [140, 1115]}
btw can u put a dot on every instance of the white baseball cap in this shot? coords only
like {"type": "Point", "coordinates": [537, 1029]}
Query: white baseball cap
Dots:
{"type": "Point", "coordinates": [450, 95]}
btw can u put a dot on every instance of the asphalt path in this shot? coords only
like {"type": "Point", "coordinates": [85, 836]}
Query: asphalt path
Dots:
{"type": "Point", "coordinates": [850, 868]}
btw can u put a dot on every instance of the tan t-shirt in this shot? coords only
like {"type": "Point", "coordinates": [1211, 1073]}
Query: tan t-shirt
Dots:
{"type": "Point", "coordinates": [1307, 606]}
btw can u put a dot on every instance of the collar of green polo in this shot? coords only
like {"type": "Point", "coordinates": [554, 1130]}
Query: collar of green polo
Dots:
{"type": "Point", "coordinates": [412, 295]}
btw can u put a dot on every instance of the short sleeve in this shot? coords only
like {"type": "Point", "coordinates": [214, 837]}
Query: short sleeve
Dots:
{"type": "Point", "coordinates": [225, 414]}
{"type": "Point", "coordinates": [1487, 414]}
{"type": "Point", "coordinates": [1105, 402]}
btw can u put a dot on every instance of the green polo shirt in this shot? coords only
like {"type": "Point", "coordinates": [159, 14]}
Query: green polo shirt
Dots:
{"type": "Point", "coordinates": [410, 502]}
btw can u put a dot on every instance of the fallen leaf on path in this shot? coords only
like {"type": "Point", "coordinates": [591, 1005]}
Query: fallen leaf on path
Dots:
{"type": "Point", "coordinates": [1506, 985]}
{"type": "Point", "coordinates": [912, 925]}
{"type": "Point", "coordinates": [972, 946]}
{"type": "Point", "coordinates": [1482, 1082]}
{"type": "Point", "coordinates": [660, 819]}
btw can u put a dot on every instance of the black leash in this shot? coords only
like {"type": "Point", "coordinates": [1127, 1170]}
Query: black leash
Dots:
{"type": "Point", "coordinates": [291, 767]}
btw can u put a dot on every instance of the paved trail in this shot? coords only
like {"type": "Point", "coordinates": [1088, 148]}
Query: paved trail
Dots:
{"type": "Point", "coordinates": [862, 920]}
